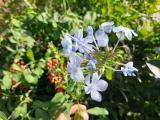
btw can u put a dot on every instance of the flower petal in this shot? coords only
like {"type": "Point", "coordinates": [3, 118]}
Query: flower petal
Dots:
{"type": "Point", "coordinates": [101, 85]}
{"type": "Point", "coordinates": [66, 41]}
{"type": "Point", "coordinates": [90, 37]}
{"type": "Point", "coordinates": [96, 96]}
{"type": "Point", "coordinates": [78, 60]}
{"type": "Point", "coordinates": [95, 77]}
{"type": "Point", "coordinates": [129, 64]}
{"type": "Point", "coordinates": [79, 34]}
{"type": "Point", "coordinates": [67, 45]}
{"type": "Point", "coordinates": [75, 59]}
{"type": "Point", "coordinates": [102, 38]}
{"type": "Point", "coordinates": [92, 64]}
{"type": "Point", "coordinates": [77, 74]}
{"type": "Point", "coordinates": [107, 26]}
{"type": "Point", "coordinates": [118, 29]}
{"type": "Point", "coordinates": [67, 51]}
{"type": "Point", "coordinates": [69, 67]}
{"type": "Point", "coordinates": [135, 34]}
{"type": "Point", "coordinates": [128, 33]}
{"type": "Point", "coordinates": [87, 79]}
{"type": "Point", "coordinates": [87, 90]}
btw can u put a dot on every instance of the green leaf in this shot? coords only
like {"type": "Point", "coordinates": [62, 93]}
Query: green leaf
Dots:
{"type": "Point", "coordinates": [54, 24]}
{"type": "Point", "coordinates": [17, 75]}
{"type": "Point", "coordinates": [12, 40]}
{"type": "Point", "coordinates": [97, 111]}
{"type": "Point", "coordinates": [154, 68]}
{"type": "Point", "coordinates": [2, 116]}
{"type": "Point", "coordinates": [29, 78]}
{"type": "Point", "coordinates": [16, 67]}
{"type": "Point", "coordinates": [30, 55]}
{"type": "Point", "coordinates": [28, 40]}
{"type": "Point", "coordinates": [42, 105]}
{"type": "Point", "coordinates": [58, 98]}
{"type": "Point", "coordinates": [16, 23]}
{"type": "Point", "coordinates": [109, 74]}
{"type": "Point", "coordinates": [20, 110]}
{"type": "Point", "coordinates": [41, 114]}
{"type": "Point", "coordinates": [38, 71]}
{"type": "Point", "coordinates": [90, 18]}
{"type": "Point", "coordinates": [7, 81]}
{"type": "Point", "coordinates": [10, 49]}
{"type": "Point", "coordinates": [41, 63]}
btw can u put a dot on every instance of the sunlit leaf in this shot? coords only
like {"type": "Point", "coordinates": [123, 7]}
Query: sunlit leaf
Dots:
{"type": "Point", "coordinates": [7, 81]}
{"type": "Point", "coordinates": [30, 55]}
{"type": "Point", "coordinates": [3, 116]}
{"type": "Point", "coordinates": [20, 110]}
{"type": "Point", "coordinates": [58, 98]}
{"type": "Point", "coordinates": [97, 111]}
{"type": "Point", "coordinates": [108, 74]}
{"type": "Point", "coordinates": [154, 69]}
{"type": "Point", "coordinates": [29, 77]}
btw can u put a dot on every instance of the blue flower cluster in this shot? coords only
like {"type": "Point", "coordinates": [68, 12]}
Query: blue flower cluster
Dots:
{"type": "Point", "coordinates": [80, 49]}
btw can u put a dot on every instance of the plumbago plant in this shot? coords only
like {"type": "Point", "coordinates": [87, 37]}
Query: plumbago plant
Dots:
{"type": "Point", "coordinates": [88, 59]}
{"type": "Point", "coordinates": [74, 76]}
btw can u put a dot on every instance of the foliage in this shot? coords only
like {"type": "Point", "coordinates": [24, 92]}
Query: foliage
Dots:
{"type": "Point", "coordinates": [31, 33]}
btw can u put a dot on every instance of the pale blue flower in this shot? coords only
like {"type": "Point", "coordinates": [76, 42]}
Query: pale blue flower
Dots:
{"type": "Point", "coordinates": [101, 33]}
{"type": "Point", "coordinates": [67, 45]}
{"type": "Point", "coordinates": [102, 38]}
{"type": "Point", "coordinates": [128, 69]}
{"type": "Point", "coordinates": [74, 67]}
{"type": "Point", "coordinates": [92, 62]}
{"type": "Point", "coordinates": [107, 26]}
{"type": "Point", "coordinates": [83, 44]}
{"type": "Point", "coordinates": [90, 37]}
{"type": "Point", "coordinates": [123, 32]}
{"type": "Point", "coordinates": [95, 86]}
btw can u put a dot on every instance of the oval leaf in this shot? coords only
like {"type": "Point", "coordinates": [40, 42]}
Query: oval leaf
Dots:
{"type": "Point", "coordinates": [97, 111]}
{"type": "Point", "coordinates": [30, 55]}
{"type": "Point", "coordinates": [58, 98]}
{"type": "Point", "coordinates": [7, 82]}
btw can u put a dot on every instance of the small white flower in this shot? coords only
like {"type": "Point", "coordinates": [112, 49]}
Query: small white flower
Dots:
{"type": "Point", "coordinates": [123, 32]}
{"type": "Point", "coordinates": [95, 86]}
{"type": "Point", "coordinates": [128, 69]}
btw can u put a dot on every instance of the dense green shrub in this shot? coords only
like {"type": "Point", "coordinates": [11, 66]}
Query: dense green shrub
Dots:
{"type": "Point", "coordinates": [31, 33]}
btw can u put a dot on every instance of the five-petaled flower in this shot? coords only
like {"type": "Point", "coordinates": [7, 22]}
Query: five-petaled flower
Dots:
{"type": "Point", "coordinates": [95, 86]}
{"type": "Point", "coordinates": [128, 69]}
{"type": "Point", "coordinates": [84, 44]}
{"type": "Point", "coordinates": [123, 32]}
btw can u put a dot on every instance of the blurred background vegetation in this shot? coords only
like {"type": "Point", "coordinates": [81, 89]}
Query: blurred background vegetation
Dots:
{"type": "Point", "coordinates": [31, 24]}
